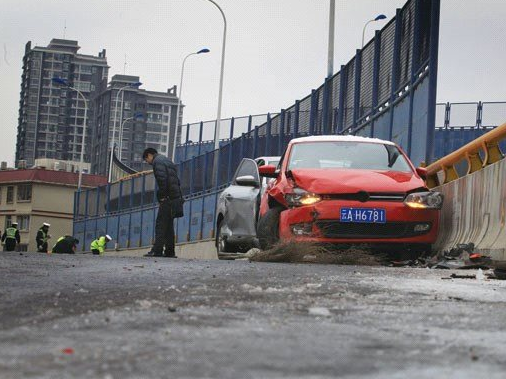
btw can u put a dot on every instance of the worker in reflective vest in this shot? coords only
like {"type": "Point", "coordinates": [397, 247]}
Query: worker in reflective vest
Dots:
{"type": "Point", "coordinates": [65, 245]}
{"type": "Point", "coordinates": [98, 246]}
{"type": "Point", "coordinates": [42, 237]}
{"type": "Point", "coordinates": [11, 237]}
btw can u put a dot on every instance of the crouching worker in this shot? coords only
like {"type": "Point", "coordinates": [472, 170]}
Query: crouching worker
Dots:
{"type": "Point", "coordinates": [42, 237]}
{"type": "Point", "coordinates": [98, 246]}
{"type": "Point", "coordinates": [65, 245]}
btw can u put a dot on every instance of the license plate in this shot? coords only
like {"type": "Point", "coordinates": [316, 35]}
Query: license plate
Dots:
{"type": "Point", "coordinates": [370, 215]}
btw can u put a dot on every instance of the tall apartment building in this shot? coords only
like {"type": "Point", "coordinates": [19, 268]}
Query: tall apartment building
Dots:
{"type": "Point", "coordinates": [51, 118]}
{"type": "Point", "coordinates": [154, 127]}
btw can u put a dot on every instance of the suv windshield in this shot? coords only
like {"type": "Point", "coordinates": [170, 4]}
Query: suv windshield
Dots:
{"type": "Point", "coordinates": [345, 154]}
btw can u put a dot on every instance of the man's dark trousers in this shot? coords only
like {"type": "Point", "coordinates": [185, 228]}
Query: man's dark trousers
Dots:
{"type": "Point", "coordinates": [164, 230]}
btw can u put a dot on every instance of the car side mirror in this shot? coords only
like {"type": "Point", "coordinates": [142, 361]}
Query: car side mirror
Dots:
{"type": "Point", "coordinates": [269, 171]}
{"type": "Point", "coordinates": [247, 181]}
{"type": "Point", "coordinates": [422, 172]}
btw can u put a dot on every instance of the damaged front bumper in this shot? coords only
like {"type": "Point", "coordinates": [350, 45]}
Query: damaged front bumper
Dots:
{"type": "Point", "coordinates": [321, 223]}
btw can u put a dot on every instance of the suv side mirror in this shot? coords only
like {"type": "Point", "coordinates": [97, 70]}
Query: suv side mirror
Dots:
{"type": "Point", "coordinates": [422, 172]}
{"type": "Point", "coordinates": [269, 171]}
{"type": "Point", "coordinates": [247, 181]}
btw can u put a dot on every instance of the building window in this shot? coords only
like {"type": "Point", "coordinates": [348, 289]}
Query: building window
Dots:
{"type": "Point", "coordinates": [0, 195]}
{"type": "Point", "coordinates": [8, 221]}
{"type": "Point", "coordinates": [25, 192]}
{"type": "Point", "coordinates": [10, 194]}
{"type": "Point", "coordinates": [23, 223]}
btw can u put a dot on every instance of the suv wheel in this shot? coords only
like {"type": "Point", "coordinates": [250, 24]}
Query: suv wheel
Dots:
{"type": "Point", "coordinates": [268, 228]}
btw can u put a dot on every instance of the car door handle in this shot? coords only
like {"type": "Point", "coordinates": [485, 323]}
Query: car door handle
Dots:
{"type": "Point", "coordinates": [228, 196]}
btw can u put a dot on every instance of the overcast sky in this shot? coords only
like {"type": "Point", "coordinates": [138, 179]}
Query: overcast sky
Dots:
{"type": "Point", "coordinates": [276, 49]}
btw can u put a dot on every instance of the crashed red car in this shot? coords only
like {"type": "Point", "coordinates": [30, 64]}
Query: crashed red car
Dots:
{"type": "Point", "coordinates": [348, 190]}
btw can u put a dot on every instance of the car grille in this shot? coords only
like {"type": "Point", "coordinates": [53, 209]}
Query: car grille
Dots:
{"type": "Point", "coordinates": [337, 229]}
{"type": "Point", "coordinates": [363, 196]}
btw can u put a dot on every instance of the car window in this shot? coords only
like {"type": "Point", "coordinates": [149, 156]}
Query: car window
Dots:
{"type": "Point", "coordinates": [347, 154]}
{"type": "Point", "coordinates": [273, 163]}
{"type": "Point", "coordinates": [247, 167]}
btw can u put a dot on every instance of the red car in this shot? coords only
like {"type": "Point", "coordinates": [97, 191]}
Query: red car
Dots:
{"type": "Point", "coordinates": [348, 190]}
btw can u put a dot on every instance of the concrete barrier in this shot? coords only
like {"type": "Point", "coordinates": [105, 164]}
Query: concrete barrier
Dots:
{"type": "Point", "coordinates": [474, 211]}
{"type": "Point", "coordinates": [191, 250]}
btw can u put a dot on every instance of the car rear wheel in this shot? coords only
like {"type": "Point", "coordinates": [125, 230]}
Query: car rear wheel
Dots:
{"type": "Point", "coordinates": [222, 246]}
{"type": "Point", "coordinates": [268, 228]}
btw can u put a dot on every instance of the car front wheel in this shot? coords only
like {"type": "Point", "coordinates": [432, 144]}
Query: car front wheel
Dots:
{"type": "Point", "coordinates": [222, 246]}
{"type": "Point", "coordinates": [268, 228]}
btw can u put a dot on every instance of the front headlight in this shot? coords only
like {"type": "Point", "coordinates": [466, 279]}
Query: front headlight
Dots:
{"type": "Point", "coordinates": [300, 197]}
{"type": "Point", "coordinates": [424, 200]}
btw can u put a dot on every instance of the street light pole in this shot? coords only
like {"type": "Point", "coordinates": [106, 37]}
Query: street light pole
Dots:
{"type": "Point", "coordinates": [131, 85]}
{"type": "Point", "coordinates": [379, 17]}
{"type": "Point", "coordinates": [84, 138]}
{"type": "Point", "coordinates": [330, 59]}
{"type": "Point", "coordinates": [220, 94]}
{"type": "Point", "coordinates": [134, 117]}
{"type": "Point", "coordinates": [81, 162]}
{"type": "Point", "coordinates": [174, 141]}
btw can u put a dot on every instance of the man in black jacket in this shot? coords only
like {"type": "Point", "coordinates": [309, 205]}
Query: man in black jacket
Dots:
{"type": "Point", "coordinates": [170, 198]}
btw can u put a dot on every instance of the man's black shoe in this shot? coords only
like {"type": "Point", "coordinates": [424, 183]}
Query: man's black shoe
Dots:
{"type": "Point", "coordinates": [153, 254]}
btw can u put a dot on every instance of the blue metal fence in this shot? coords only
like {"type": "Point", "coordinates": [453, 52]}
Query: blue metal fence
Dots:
{"type": "Point", "coordinates": [387, 90]}
{"type": "Point", "coordinates": [459, 123]}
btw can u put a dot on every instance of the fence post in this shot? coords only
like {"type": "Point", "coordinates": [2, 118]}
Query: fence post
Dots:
{"type": "Point", "coordinates": [342, 93]}
{"type": "Point", "coordinates": [250, 122]}
{"type": "Point", "coordinates": [375, 78]}
{"type": "Point", "coordinates": [201, 131]}
{"type": "Point", "coordinates": [241, 152]}
{"type": "Point", "coordinates": [295, 130]}
{"type": "Point", "coordinates": [412, 77]}
{"type": "Point", "coordinates": [230, 152]}
{"type": "Point", "coordinates": [255, 142]}
{"type": "Point", "coordinates": [356, 99]}
{"type": "Point", "coordinates": [448, 109]}
{"type": "Point", "coordinates": [434, 46]}
{"type": "Point", "coordinates": [268, 135]}
{"type": "Point", "coordinates": [479, 115]}
{"type": "Point", "coordinates": [97, 203]}
{"type": "Point", "coordinates": [327, 87]}
{"type": "Point", "coordinates": [119, 212]}
{"type": "Point", "coordinates": [204, 189]}
{"type": "Point", "coordinates": [281, 134]}
{"type": "Point", "coordinates": [312, 113]}
{"type": "Point", "coordinates": [395, 69]}
{"type": "Point", "coordinates": [186, 143]}
{"type": "Point", "coordinates": [143, 190]}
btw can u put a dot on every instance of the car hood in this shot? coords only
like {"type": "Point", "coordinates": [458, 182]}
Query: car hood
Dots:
{"type": "Point", "coordinates": [335, 181]}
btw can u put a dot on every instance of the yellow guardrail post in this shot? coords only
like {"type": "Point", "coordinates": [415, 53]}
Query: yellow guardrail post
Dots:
{"type": "Point", "coordinates": [488, 142]}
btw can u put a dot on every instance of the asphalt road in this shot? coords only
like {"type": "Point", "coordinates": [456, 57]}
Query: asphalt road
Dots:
{"type": "Point", "coordinates": [85, 316]}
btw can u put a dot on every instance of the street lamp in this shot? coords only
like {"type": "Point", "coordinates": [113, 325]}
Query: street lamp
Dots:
{"type": "Point", "coordinates": [330, 58]}
{"type": "Point", "coordinates": [136, 116]}
{"type": "Point", "coordinates": [64, 83]}
{"type": "Point", "coordinates": [202, 51]}
{"type": "Point", "coordinates": [130, 85]}
{"type": "Point", "coordinates": [379, 17]}
{"type": "Point", "coordinates": [218, 117]}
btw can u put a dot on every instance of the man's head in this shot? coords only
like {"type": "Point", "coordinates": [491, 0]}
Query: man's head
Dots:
{"type": "Point", "coordinates": [149, 154]}
{"type": "Point", "coordinates": [108, 237]}
{"type": "Point", "coordinates": [46, 226]}
{"type": "Point", "coordinates": [14, 225]}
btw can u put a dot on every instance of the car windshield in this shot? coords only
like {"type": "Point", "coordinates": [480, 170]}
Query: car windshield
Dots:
{"type": "Point", "coordinates": [347, 154]}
